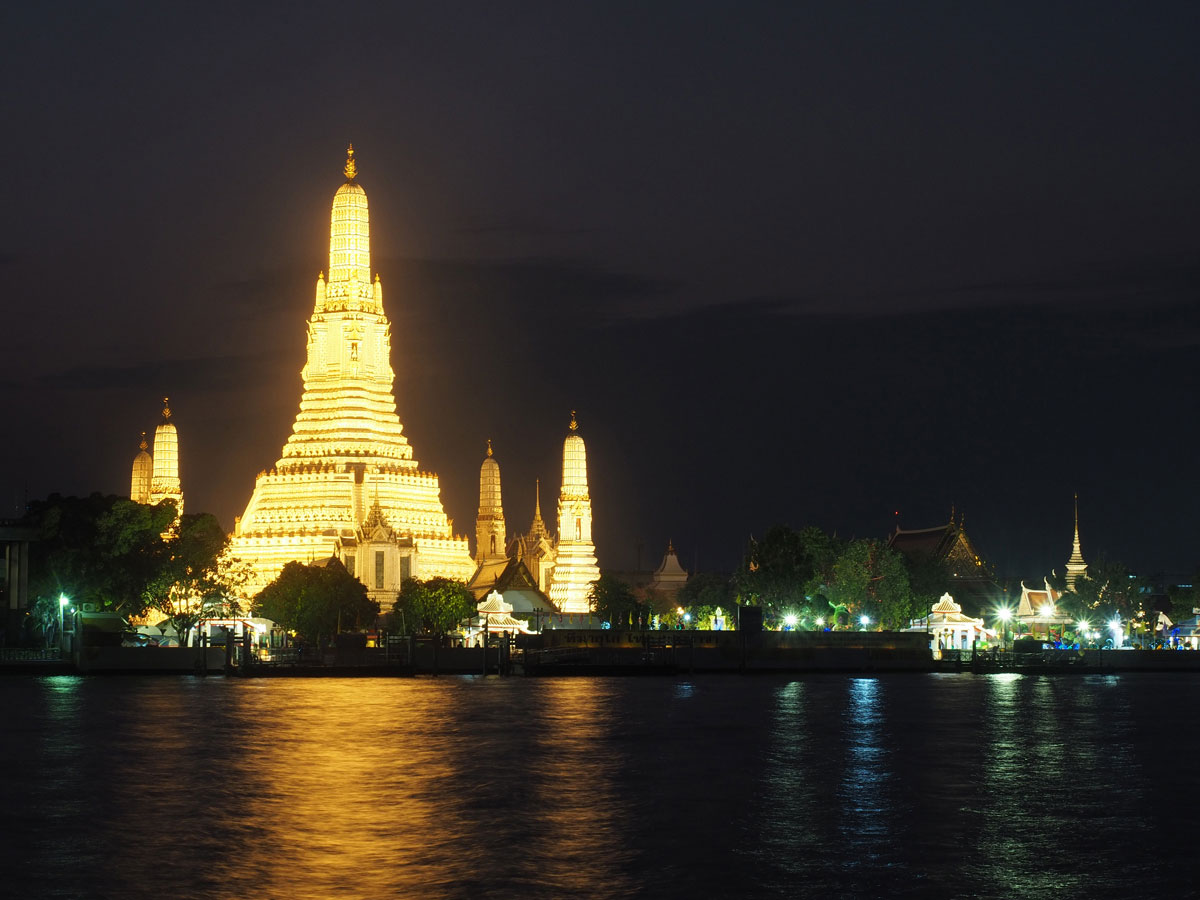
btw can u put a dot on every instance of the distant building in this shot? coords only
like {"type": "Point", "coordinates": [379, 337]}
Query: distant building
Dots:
{"type": "Point", "coordinates": [1076, 567]}
{"type": "Point", "coordinates": [155, 478]}
{"type": "Point", "coordinates": [670, 576]}
{"type": "Point", "coordinates": [963, 571]}
{"type": "Point", "coordinates": [1038, 610]}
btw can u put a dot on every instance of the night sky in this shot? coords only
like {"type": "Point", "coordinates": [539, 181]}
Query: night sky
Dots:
{"type": "Point", "coordinates": [811, 263]}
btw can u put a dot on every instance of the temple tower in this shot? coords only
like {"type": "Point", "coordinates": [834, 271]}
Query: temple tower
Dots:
{"type": "Point", "coordinates": [347, 445]}
{"type": "Point", "coordinates": [1076, 567]}
{"type": "Point", "coordinates": [143, 474]}
{"type": "Point", "coordinates": [164, 483]}
{"type": "Point", "coordinates": [490, 543]}
{"type": "Point", "coordinates": [575, 565]}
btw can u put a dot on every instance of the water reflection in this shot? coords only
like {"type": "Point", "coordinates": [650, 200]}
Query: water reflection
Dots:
{"type": "Point", "coordinates": [790, 836]}
{"type": "Point", "coordinates": [862, 794]}
{"type": "Point", "coordinates": [1002, 786]}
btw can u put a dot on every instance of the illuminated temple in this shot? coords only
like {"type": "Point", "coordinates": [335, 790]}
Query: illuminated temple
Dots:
{"type": "Point", "coordinates": [347, 484]}
{"type": "Point", "coordinates": [575, 565]}
{"type": "Point", "coordinates": [543, 572]}
{"type": "Point", "coordinates": [156, 477]}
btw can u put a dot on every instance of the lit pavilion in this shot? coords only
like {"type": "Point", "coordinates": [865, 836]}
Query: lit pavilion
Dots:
{"type": "Point", "coordinates": [347, 484]}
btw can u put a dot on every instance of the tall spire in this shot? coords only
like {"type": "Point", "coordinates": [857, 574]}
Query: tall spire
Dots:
{"type": "Point", "coordinates": [491, 540]}
{"type": "Point", "coordinates": [164, 482]}
{"type": "Point", "coordinates": [1076, 567]}
{"type": "Point", "coordinates": [143, 474]}
{"type": "Point", "coordinates": [538, 528]}
{"type": "Point", "coordinates": [347, 426]}
{"type": "Point", "coordinates": [350, 236]}
{"type": "Point", "coordinates": [575, 566]}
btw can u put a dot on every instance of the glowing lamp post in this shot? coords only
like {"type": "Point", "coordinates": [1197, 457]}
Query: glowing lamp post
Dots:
{"type": "Point", "coordinates": [1118, 631]}
{"type": "Point", "coordinates": [864, 621]}
{"type": "Point", "coordinates": [820, 621]}
{"type": "Point", "coordinates": [1005, 616]}
{"type": "Point", "coordinates": [63, 600]}
{"type": "Point", "coordinates": [789, 622]}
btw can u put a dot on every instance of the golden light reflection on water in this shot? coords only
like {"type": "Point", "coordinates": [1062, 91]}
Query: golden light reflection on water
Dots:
{"type": "Point", "coordinates": [430, 787]}
{"type": "Point", "coordinates": [468, 787]}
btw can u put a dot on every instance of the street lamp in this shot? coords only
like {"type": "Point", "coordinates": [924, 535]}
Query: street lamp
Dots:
{"type": "Point", "coordinates": [789, 621]}
{"type": "Point", "coordinates": [864, 621]}
{"type": "Point", "coordinates": [1005, 616]}
{"type": "Point", "coordinates": [63, 600]}
{"type": "Point", "coordinates": [820, 621]}
{"type": "Point", "coordinates": [1081, 627]}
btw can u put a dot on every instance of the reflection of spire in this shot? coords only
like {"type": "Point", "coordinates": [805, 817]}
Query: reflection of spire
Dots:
{"type": "Point", "coordinates": [351, 169]}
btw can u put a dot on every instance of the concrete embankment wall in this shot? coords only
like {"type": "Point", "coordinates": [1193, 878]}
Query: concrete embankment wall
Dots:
{"type": "Point", "coordinates": [167, 660]}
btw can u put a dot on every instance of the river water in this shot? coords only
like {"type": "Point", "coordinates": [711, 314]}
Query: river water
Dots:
{"type": "Point", "coordinates": [823, 786]}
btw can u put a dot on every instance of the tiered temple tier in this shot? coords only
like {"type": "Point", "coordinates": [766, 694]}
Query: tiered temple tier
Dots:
{"type": "Point", "coordinates": [575, 569]}
{"type": "Point", "coordinates": [347, 422]}
{"type": "Point", "coordinates": [268, 554]}
{"type": "Point", "coordinates": [332, 502]}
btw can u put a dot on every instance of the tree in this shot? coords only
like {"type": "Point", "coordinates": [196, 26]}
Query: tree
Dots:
{"type": "Point", "coordinates": [870, 579]}
{"type": "Point", "coordinates": [704, 593]}
{"type": "Point", "coordinates": [193, 575]}
{"type": "Point", "coordinates": [98, 549]}
{"type": "Point", "coordinates": [615, 601]}
{"type": "Point", "coordinates": [777, 570]}
{"type": "Point", "coordinates": [316, 600]}
{"type": "Point", "coordinates": [434, 606]}
{"type": "Point", "coordinates": [1183, 601]}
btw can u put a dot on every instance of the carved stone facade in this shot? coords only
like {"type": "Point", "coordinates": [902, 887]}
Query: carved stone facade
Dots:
{"type": "Point", "coordinates": [347, 444]}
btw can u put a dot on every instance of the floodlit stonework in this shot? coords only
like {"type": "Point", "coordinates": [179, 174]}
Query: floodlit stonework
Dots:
{"type": "Point", "coordinates": [143, 473]}
{"type": "Point", "coordinates": [155, 478]}
{"type": "Point", "coordinates": [575, 565]}
{"type": "Point", "coordinates": [490, 544]}
{"type": "Point", "coordinates": [347, 484]}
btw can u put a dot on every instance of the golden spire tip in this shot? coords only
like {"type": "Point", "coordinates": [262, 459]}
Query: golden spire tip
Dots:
{"type": "Point", "coordinates": [351, 169]}
{"type": "Point", "coordinates": [489, 446]}
{"type": "Point", "coordinates": [574, 424]}
{"type": "Point", "coordinates": [166, 408]}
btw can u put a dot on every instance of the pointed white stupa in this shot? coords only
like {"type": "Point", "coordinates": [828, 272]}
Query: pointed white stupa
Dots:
{"type": "Point", "coordinates": [490, 540]}
{"type": "Point", "coordinates": [575, 566]}
{"type": "Point", "coordinates": [347, 445]}
{"type": "Point", "coordinates": [164, 482]}
{"type": "Point", "coordinates": [142, 475]}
